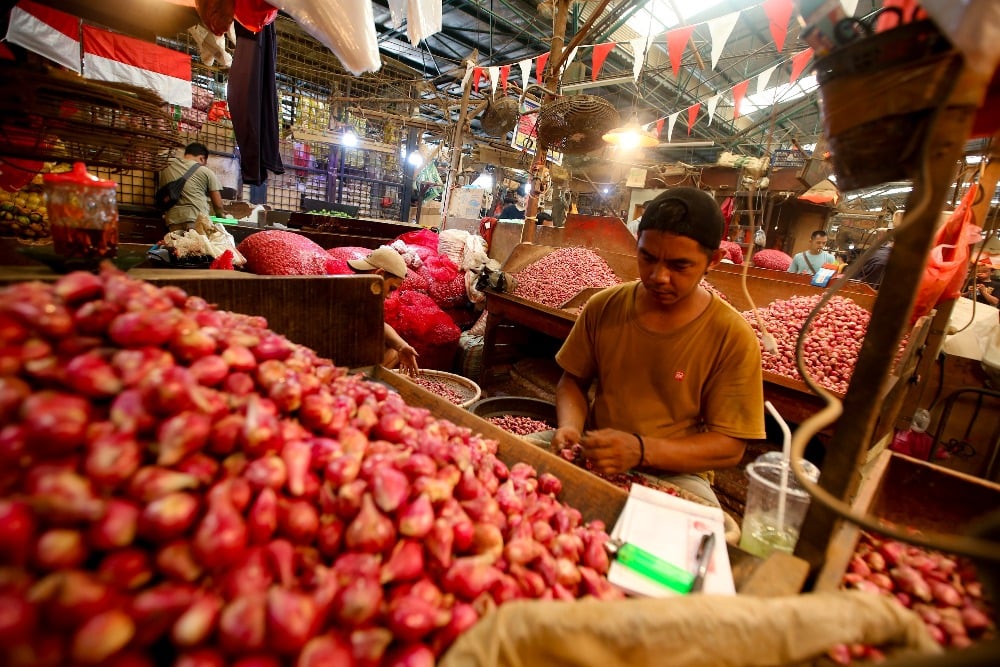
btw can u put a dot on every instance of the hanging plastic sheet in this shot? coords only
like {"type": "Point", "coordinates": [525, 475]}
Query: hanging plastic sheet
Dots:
{"type": "Point", "coordinates": [346, 27]}
{"type": "Point", "coordinates": [423, 19]}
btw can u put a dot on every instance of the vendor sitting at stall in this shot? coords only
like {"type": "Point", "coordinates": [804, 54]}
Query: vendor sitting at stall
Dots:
{"type": "Point", "coordinates": [201, 193]}
{"type": "Point", "coordinates": [812, 260]}
{"type": "Point", "coordinates": [389, 264]}
{"type": "Point", "coordinates": [678, 370]}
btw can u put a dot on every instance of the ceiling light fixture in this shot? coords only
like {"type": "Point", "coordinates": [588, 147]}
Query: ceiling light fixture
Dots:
{"type": "Point", "coordinates": [631, 136]}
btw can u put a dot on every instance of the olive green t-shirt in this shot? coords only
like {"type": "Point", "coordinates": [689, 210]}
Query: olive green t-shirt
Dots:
{"type": "Point", "coordinates": [705, 376]}
{"type": "Point", "coordinates": [194, 199]}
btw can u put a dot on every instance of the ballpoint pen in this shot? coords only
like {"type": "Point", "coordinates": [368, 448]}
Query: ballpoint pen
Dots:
{"type": "Point", "coordinates": [704, 557]}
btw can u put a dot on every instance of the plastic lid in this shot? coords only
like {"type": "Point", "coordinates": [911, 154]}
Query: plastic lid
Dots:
{"type": "Point", "coordinates": [79, 176]}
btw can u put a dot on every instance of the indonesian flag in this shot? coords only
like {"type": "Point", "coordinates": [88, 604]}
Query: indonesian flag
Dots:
{"type": "Point", "coordinates": [109, 56]}
{"type": "Point", "coordinates": [47, 32]}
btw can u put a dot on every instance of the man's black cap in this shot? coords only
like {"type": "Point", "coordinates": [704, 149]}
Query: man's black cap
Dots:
{"type": "Point", "coordinates": [702, 222]}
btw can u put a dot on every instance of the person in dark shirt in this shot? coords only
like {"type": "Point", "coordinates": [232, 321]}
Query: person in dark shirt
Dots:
{"type": "Point", "coordinates": [514, 208]}
{"type": "Point", "coordinates": [874, 267]}
{"type": "Point", "coordinates": [984, 289]}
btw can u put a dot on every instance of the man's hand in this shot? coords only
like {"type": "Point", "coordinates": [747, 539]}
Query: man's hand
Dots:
{"type": "Point", "coordinates": [611, 451]}
{"type": "Point", "coordinates": [565, 437]}
{"type": "Point", "coordinates": [408, 359]}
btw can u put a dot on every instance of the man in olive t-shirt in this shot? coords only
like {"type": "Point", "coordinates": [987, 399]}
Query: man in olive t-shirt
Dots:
{"type": "Point", "coordinates": [678, 375]}
{"type": "Point", "coordinates": [201, 191]}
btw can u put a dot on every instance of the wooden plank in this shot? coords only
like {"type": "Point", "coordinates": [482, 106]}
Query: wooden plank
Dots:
{"type": "Point", "coordinates": [341, 317]}
{"type": "Point", "coordinates": [779, 575]}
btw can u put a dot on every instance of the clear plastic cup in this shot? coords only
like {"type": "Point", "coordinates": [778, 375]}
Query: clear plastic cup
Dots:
{"type": "Point", "coordinates": [763, 531]}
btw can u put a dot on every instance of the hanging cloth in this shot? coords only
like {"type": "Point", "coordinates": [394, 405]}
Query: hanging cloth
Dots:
{"type": "Point", "coordinates": [253, 103]}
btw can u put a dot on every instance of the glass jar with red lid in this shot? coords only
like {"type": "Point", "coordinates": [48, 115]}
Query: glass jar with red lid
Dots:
{"type": "Point", "coordinates": [83, 214]}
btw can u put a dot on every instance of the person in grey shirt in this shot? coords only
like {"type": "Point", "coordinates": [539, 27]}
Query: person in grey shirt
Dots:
{"type": "Point", "coordinates": [812, 260]}
{"type": "Point", "coordinates": [200, 196]}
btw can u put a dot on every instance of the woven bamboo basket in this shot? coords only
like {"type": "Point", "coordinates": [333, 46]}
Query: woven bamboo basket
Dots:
{"type": "Point", "coordinates": [575, 124]}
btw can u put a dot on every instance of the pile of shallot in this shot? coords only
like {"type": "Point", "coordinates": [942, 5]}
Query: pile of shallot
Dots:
{"type": "Point", "coordinates": [181, 483]}
{"type": "Point", "coordinates": [560, 275]}
{"type": "Point", "coordinates": [831, 346]}
{"type": "Point", "coordinates": [942, 590]}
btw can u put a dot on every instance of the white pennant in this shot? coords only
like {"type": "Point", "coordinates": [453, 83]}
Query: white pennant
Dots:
{"type": "Point", "coordinates": [764, 77]}
{"type": "Point", "coordinates": [720, 30]}
{"type": "Point", "coordinates": [494, 77]}
{"type": "Point", "coordinates": [525, 66]}
{"type": "Point", "coordinates": [468, 75]}
{"type": "Point", "coordinates": [671, 119]}
{"type": "Point", "coordinates": [713, 102]}
{"type": "Point", "coordinates": [638, 56]}
{"type": "Point", "coordinates": [850, 6]}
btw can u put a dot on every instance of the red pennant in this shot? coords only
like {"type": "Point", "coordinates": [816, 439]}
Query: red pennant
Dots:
{"type": "Point", "coordinates": [601, 52]}
{"type": "Point", "coordinates": [504, 73]}
{"type": "Point", "coordinates": [540, 67]}
{"type": "Point", "coordinates": [779, 12]}
{"type": "Point", "coordinates": [693, 115]}
{"type": "Point", "coordinates": [799, 63]}
{"type": "Point", "coordinates": [677, 39]}
{"type": "Point", "coordinates": [659, 127]}
{"type": "Point", "coordinates": [739, 91]}
{"type": "Point", "coordinates": [477, 72]}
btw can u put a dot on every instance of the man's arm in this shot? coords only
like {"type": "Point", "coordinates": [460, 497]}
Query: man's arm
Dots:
{"type": "Point", "coordinates": [217, 206]}
{"type": "Point", "coordinates": [571, 409]}
{"type": "Point", "coordinates": [613, 451]}
{"type": "Point", "coordinates": [407, 355]}
{"type": "Point", "coordinates": [794, 266]}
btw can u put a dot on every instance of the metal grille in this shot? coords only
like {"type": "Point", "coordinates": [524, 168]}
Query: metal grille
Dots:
{"type": "Point", "coordinates": [135, 187]}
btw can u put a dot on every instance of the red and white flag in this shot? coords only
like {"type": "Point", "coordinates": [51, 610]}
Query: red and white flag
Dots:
{"type": "Point", "coordinates": [109, 56]}
{"type": "Point", "coordinates": [47, 32]}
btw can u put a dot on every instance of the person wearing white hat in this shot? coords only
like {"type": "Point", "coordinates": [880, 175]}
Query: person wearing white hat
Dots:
{"type": "Point", "coordinates": [389, 264]}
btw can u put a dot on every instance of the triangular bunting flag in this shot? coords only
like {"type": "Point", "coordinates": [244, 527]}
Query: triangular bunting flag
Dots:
{"type": "Point", "coordinates": [850, 6]}
{"type": "Point", "coordinates": [763, 78]}
{"type": "Point", "coordinates": [799, 62]}
{"type": "Point", "coordinates": [720, 29]}
{"type": "Point", "coordinates": [494, 79]}
{"type": "Point", "coordinates": [525, 66]}
{"type": "Point", "coordinates": [676, 41]}
{"type": "Point", "coordinates": [659, 127]}
{"type": "Point", "coordinates": [570, 57]}
{"type": "Point", "coordinates": [739, 92]}
{"type": "Point", "coordinates": [671, 119]}
{"type": "Point", "coordinates": [477, 74]}
{"type": "Point", "coordinates": [779, 12]}
{"type": "Point", "coordinates": [597, 59]}
{"type": "Point", "coordinates": [713, 102]}
{"type": "Point", "coordinates": [693, 115]}
{"type": "Point", "coordinates": [638, 55]}
{"type": "Point", "coordinates": [468, 75]}
{"type": "Point", "coordinates": [540, 67]}
{"type": "Point", "coordinates": [504, 73]}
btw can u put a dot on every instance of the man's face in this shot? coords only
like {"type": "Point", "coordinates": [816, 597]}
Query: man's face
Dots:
{"type": "Point", "coordinates": [671, 266]}
{"type": "Point", "coordinates": [817, 243]}
{"type": "Point", "coordinates": [392, 283]}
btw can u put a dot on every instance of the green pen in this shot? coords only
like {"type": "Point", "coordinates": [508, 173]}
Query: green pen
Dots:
{"type": "Point", "coordinates": [650, 566]}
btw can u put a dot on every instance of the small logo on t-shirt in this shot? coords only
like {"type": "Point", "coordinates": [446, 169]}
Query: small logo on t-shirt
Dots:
{"type": "Point", "coordinates": [678, 375]}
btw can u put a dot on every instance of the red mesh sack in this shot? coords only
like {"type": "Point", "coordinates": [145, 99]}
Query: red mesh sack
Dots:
{"type": "Point", "coordinates": [424, 237]}
{"type": "Point", "coordinates": [733, 251]}
{"type": "Point", "coordinates": [415, 280]}
{"type": "Point", "coordinates": [449, 294]}
{"type": "Point", "coordinates": [280, 253]}
{"type": "Point", "coordinates": [339, 267]}
{"type": "Point", "coordinates": [254, 14]}
{"type": "Point", "coordinates": [419, 320]}
{"type": "Point", "coordinates": [423, 252]}
{"type": "Point", "coordinates": [771, 259]}
{"type": "Point", "coordinates": [440, 268]}
{"type": "Point", "coordinates": [349, 252]}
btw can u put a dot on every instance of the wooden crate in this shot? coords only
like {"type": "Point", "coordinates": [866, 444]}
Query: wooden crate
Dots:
{"type": "Point", "coordinates": [909, 492]}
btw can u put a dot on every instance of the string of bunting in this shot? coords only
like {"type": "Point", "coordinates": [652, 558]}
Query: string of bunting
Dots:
{"type": "Point", "coordinates": [778, 12]}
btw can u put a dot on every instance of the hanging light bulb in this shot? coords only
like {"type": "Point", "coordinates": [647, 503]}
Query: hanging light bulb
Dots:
{"type": "Point", "coordinates": [631, 136]}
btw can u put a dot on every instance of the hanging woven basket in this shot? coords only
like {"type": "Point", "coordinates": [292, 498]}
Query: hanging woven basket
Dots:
{"type": "Point", "coordinates": [575, 124]}
{"type": "Point", "coordinates": [500, 116]}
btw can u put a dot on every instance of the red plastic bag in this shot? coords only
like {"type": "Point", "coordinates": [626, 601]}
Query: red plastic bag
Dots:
{"type": "Point", "coordinates": [254, 14]}
{"type": "Point", "coordinates": [424, 237]}
{"type": "Point", "coordinates": [947, 265]}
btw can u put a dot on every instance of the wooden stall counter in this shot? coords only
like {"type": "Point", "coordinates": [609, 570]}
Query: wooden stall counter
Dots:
{"type": "Point", "coordinates": [340, 317]}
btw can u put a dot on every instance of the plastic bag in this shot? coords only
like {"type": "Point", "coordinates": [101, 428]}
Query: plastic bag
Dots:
{"type": "Point", "coordinates": [945, 272]}
{"type": "Point", "coordinates": [424, 237]}
{"type": "Point", "coordinates": [346, 27]}
{"type": "Point", "coordinates": [452, 244]}
{"type": "Point", "coordinates": [254, 14]}
{"type": "Point", "coordinates": [423, 19]}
